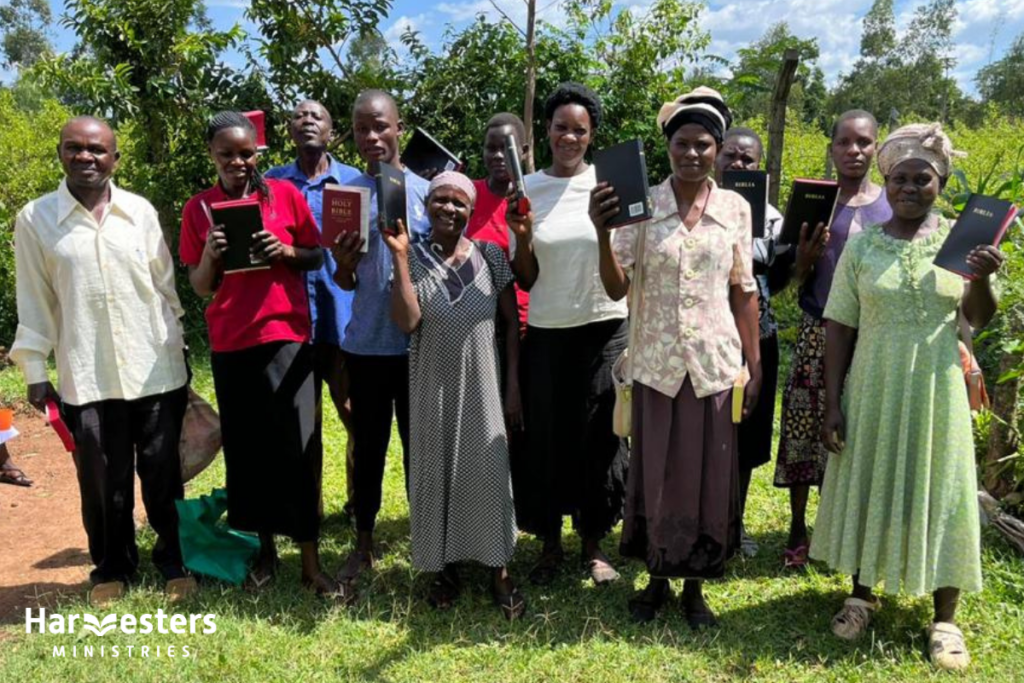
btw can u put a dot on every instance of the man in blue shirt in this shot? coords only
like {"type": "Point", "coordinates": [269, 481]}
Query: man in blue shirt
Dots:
{"type": "Point", "coordinates": [376, 351]}
{"type": "Point", "coordinates": [329, 305]}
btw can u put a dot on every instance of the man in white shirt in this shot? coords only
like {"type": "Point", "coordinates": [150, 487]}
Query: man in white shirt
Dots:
{"type": "Point", "coordinates": [95, 286]}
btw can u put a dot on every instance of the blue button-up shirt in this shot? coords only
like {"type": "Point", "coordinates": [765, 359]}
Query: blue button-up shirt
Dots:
{"type": "Point", "coordinates": [329, 305]}
{"type": "Point", "coordinates": [371, 332]}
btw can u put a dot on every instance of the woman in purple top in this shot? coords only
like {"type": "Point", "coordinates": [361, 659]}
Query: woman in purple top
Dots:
{"type": "Point", "coordinates": [802, 455]}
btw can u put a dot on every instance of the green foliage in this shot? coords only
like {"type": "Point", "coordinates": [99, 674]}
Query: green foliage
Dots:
{"type": "Point", "coordinates": [1002, 81]}
{"type": "Point", "coordinates": [29, 168]}
{"type": "Point", "coordinates": [23, 24]}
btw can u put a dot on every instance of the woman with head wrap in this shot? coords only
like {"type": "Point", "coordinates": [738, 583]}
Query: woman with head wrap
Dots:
{"type": "Point", "coordinates": [447, 293]}
{"type": "Point", "coordinates": [898, 505]}
{"type": "Point", "coordinates": [576, 463]}
{"type": "Point", "coordinates": [697, 321]}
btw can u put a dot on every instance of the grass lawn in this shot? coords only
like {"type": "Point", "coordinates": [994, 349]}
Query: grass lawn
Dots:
{"type": "Point", "coordinates": [774, 626]}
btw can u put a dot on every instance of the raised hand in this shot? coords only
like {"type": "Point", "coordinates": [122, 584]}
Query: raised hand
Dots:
{"type": "Point", "coordinates": [347, 250]}
{"type": "Point", "coordinates": [604, 204]}
{"type": "Point", "coordinates": [985, 260]}
{"type": "Point", "coordinates": [398, 241]}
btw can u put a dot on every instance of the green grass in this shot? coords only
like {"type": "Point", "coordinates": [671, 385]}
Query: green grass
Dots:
{"type": "Point", "coordinates": [775, 627]}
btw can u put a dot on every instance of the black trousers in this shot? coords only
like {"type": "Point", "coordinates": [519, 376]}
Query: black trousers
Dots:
{"type": "Point", "coordinates": [272, 449]}
{"type": "Point", "coordinates": [113, 440]}
{"type": "Point", "coordinates": [379, 389]}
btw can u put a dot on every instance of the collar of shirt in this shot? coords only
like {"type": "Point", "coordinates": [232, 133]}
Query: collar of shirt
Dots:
{"type": "Point", "coordinates": [336, 172]}
{"type": "Point", "coordinates": [664, 200]}
{"type": "Point", "coordinates": [119, 201]}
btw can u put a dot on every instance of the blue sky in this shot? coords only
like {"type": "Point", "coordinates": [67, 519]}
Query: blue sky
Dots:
{"type": "Point", "coordinates": [984, 30]}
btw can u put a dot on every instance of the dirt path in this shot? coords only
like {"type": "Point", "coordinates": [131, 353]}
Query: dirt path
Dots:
{"type": "Point", "coordinates": [43, 549]}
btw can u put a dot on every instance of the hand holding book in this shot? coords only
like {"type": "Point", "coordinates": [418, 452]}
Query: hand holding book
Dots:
{"type": "Point", "coordinates": [984, 260]}
{"type": "Point", "coordinates": [604, 205]}
{"type": "Point", "coordinates": [397, 241]}
{"type": "Point", "coordinates": [810, 248]}
{"type": "Point", "coordinates": [347, 250]}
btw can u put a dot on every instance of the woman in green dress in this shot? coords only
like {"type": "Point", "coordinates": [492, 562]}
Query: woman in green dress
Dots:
{"type": "Point", "coordinates": [899, 502]}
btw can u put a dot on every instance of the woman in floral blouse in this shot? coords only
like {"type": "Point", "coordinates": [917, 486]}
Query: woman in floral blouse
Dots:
{"type": "Point", "coordinates": [698, 319]}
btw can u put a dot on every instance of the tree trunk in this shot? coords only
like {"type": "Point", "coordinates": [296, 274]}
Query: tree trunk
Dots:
{"type": "Point", "coordinates": [531, 80]}
{"type": "Point", "coordinates": [777, 123]}
{"type": "Point", "coordinates": [1003, 437]}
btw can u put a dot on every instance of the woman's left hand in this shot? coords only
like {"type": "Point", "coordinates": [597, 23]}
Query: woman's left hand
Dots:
{"type": "Point", "coordinates": [985, 260]}
{"type": "Point", "coordinates": [751, 392]}
{"type": "Point", "coordinates": [513, 407]}
{"type": "Point", "coordinates": [268, 247]}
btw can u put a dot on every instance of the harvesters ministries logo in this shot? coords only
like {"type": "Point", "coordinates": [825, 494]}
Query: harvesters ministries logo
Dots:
{"type": "Point", "coordinates": [84, 624]}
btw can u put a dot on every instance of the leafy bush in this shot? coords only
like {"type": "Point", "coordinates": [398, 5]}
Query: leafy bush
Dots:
{"type": "Point", "coordinates": [29, 168]}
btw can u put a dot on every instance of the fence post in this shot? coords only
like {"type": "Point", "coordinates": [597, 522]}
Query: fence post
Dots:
{"type": "Point", "coordinates": [777, 122]}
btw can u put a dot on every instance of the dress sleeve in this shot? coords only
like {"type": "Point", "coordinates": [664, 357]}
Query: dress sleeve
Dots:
{"type": "Point", "coordinates": [843, 304]}
{"type": "Point", "coordinates": [497, 263]}
{"type": "Point", "coordinates": [742, 271]}
{"type": "Point", "coordinates": [624, 245]}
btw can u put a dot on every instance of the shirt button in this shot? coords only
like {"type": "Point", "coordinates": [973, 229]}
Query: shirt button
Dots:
{"type": "Point", "coordinates": [690, 274]}
{"type": "Point", "coordinates": [690, 243]}
{"type": "Point", "coordinates": [688, 333]}
{"type": "Point", "coordinates": [688, 302]}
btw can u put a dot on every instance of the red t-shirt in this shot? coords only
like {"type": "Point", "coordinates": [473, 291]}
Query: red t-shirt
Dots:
{"type": "Point", "coordinates": [488, 224]}
{"type": "Point", "coordinates": [257, 306]}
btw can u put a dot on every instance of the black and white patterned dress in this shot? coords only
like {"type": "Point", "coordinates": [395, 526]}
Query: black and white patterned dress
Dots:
{"type": "Point", "coordinates": [460, 491]}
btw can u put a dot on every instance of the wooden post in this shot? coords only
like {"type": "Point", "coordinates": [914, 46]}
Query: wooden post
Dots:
{"type": "Point", "coordinates": [829, 170]}
{"type": "Point", "coordinates": [777, 122]}
{"type": "Point", "coordinates": [531, 80]}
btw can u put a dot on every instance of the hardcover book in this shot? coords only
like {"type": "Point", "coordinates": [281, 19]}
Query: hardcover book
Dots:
{"type": "Point", "coordinates": [984, 220]}
{"type": "Point", "coordinates": [346, 209]}
{"type": "Point", "coordinates": [390, 198]}
{"type": "Point", "coordinates": [515, 170]}
{"type": "Point", "coordinates": [259, 121]}
{"type": "Point", "coordinates": [810, 202]}
{"type": "Point", "coordinates": [241, 218]}
{"type": "Point", "coordinates": [624, 167]}
{"type": "Point", "coordinates": [425, 155]}
{"type": "Point", "coordinates": [753, 186]}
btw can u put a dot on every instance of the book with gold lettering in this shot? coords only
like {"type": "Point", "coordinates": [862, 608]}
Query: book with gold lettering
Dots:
{"type": "Point", "coordinates": [345, 209]}
{"type": "Point", "coordinates": [390, 198]}
{"type": "Point", "coordinates": [810, 202]}
{"type": "Point", "coordinates": [753, 186]}
{"type": "Point", "coordinates": [984, 220]}
{"type": "Point", "coordinates": [240, 219]}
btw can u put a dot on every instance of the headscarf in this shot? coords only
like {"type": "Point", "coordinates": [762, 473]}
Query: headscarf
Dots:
{"type": "Point", "coordinates": [703, 106]}
{"type": "Point", "coordinates": [924, 141]}
{"type": "Point", "coordinates": [456, 180]}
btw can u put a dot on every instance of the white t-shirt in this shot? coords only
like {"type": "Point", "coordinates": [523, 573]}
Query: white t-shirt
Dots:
{"type": "Point", "coordinates": [568, 291]}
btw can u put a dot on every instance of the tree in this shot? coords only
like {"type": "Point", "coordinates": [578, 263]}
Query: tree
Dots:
{"type": "Point", "coordinates": [749, 92]}
{"type": "Point", "coordinates": [23, 24]}
{"type": "Point", "coordinates": [1002, 82]}
{"type": "Point", "coordinates": [878, 39]}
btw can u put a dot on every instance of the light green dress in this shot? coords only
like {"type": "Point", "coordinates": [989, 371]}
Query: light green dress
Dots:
{"type": "Point", "coordinates": [899, 504]}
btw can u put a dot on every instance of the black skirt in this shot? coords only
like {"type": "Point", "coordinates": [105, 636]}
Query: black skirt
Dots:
{"type": "Point", "coordinates": [272, 449]}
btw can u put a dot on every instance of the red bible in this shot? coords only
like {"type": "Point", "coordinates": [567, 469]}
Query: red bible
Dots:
{"type": "Point", "coordinates": [345, 209]}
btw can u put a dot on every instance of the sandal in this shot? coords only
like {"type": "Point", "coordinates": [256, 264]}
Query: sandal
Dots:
{"type": "Point", "coordinates": [512, 604]}
{"type": "Point", "coordinates": [261, 575]}
{"type": "Point", "coordinates": [444, 589]}
{"type": "Point", "coordinates": [357, 562]}
{"type": "Point", "coordinates": [946, 647]}
{"type": "Point", "coordinates": [644, 606]}
{"type": "Point", "coordinates": [546, 569]}
{"type": "Point", "coordinates": [324, 586]}
{"type": "Point", "coordinates": [9, 474]}
{"type": "Point", "coordinates": [852, 620]}
{"type": "Point", "coordinates": [601, 571]}
{"type": "Point", "coordinates": [795, 558]}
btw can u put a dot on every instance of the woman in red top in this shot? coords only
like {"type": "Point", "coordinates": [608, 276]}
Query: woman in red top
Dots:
{"type": "Point", "coordinates": [259, 329]}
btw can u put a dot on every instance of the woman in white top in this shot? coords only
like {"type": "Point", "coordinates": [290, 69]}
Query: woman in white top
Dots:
{"type": "Point", "coordinates": [575, 332]}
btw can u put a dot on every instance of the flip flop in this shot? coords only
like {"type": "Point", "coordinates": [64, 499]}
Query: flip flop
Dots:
{"type": "Point", "coordinates": [9, 474]}
{"type": "Point", "coordinates": [795, 558]}
{"type": "Point", "coordinates": [444, 589]}
{"type": "Point", "coordinates": [512, 604]}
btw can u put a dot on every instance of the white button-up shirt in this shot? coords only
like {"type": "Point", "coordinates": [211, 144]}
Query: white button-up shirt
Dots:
{"type": "Point", "coordinates": [100, 296]}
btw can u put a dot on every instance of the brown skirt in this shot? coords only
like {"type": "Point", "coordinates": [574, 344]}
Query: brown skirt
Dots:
{"type": "Point", "coordinates": [682, 497]}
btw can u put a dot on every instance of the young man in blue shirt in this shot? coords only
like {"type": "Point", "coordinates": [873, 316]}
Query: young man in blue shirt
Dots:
{"type": "Point", "coordinates": [376, 351]}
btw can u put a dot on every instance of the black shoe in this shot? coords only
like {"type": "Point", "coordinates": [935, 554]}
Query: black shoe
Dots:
{"type": "Point", "coordinates": [644, 606]}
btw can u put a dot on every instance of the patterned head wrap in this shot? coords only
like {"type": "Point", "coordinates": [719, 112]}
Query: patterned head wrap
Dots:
{"type": "Point", "coordinates": [924, 141]}
{"type": "Point", "coordinates": [703, 106]}
{"type": "Point", "coordinates": [456, 180]}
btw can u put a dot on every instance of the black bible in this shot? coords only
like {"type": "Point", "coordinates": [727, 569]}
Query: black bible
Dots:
{"type": "Point", "coordinates": [984, 220]}
{"type": "Point", "coordinates": [424, 155]}
{"type": "Point", "coordinates": [810, 202]}
{"type": "Point", "coordinates": [241, 218]}
{"type": "Point", "coordinates": [624, 167]}
{"type": "Point", "coordinates": [753, 186]}
{"type": "Point", "coordinates": [390, 199]}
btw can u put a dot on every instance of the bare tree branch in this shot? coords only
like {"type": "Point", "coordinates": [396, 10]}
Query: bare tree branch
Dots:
{"type": "Point", "coordinates": [507, 17]}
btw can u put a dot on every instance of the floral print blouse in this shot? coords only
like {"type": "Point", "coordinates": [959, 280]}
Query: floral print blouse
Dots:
{"type": "Point", "coordinates": [686, 326]}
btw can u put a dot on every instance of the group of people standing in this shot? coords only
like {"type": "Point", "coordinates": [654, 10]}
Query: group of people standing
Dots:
{"type": "Point", "coordinates": [490, 337]}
